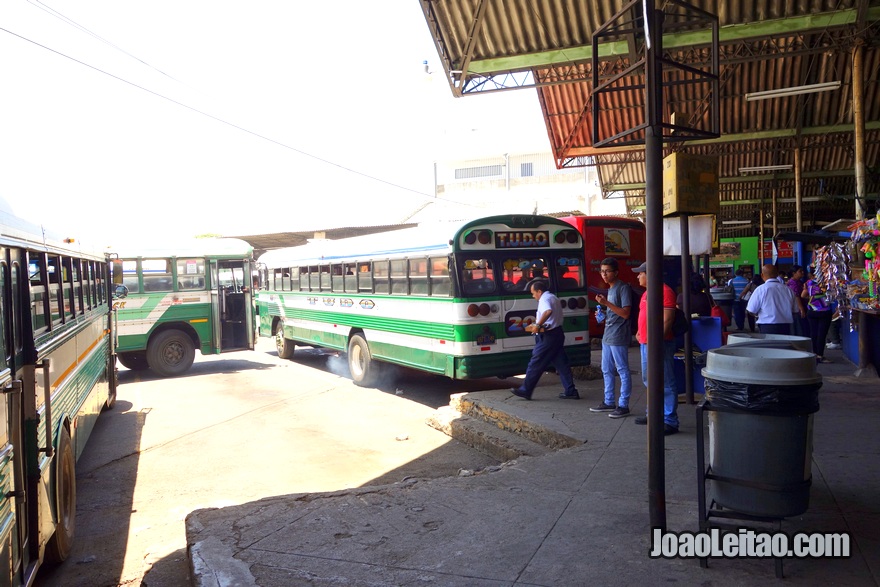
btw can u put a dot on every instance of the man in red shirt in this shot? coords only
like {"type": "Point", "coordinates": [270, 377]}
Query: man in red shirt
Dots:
{"type": "Point", "coordinates": [670, 389]}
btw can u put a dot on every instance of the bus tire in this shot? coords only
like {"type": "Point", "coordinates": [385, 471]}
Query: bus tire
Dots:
{"type": "Point", "coordinates": [59, 545]}
{"type": "Point", "coordinates": [136, 361]}
{"type": "Point", "coordinates": [364, 370]}
{"type": "Point", "coordinates": [170, 353]}
{"type": "Point", "coordinates": [285, 346]}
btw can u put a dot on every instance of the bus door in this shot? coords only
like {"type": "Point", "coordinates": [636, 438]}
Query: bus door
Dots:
{"type": "Point", "coordinates": [232, 305]}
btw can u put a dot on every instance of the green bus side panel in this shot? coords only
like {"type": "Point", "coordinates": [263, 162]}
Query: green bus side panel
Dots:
{"type": "Point", "coordinates": [184, 314]}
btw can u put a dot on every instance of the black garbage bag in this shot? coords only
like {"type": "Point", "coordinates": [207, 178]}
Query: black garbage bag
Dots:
{"type": "Point", "coordinates": [778, 400]}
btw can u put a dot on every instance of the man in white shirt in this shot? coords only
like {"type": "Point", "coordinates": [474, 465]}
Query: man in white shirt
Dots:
{"type": "Point", "coordinates": [549, 345]}
{"type": "Point", "coordinates": [773, 303]}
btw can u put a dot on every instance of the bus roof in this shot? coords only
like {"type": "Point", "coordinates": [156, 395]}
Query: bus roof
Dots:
{"type": "Point", "coordinates": [424, 239]}
{"type": "Point", "coordinates": [19, 231]}
{"type": "Point", "coordinates": [195, 247]}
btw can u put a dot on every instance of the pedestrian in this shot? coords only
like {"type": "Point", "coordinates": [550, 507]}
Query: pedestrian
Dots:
{"type": "Point", "coordinates": [799, 324]}
{"type": "Point", "coordinates": [833, 340]}
{"type": "Point", "coordinates": [615, 340]}
{"type": "Point", "coordinates": [773, 303]}
{"type": "Point", "coordinates": [701, 300]}
{"type": "Point", "coordinates": [670, 388]}
{"type": "Point", "coordinates": [746, 293]}
{"type": "Point", "coordinates": [738, 284]}
{"type": "Point", "coordinates": [549, 345]}
{"type": "Point", "coordinates": [818, 314]}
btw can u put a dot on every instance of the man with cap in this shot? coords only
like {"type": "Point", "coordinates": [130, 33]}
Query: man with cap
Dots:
{"type": "Point", "coordinates": [670, 389]}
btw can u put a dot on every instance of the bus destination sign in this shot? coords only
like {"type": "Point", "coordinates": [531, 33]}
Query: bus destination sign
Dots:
{"type": "Point", "coordinates": [522, 239]}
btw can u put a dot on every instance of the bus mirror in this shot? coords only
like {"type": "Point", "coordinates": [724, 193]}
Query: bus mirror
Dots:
{"type": "Point", "coordinates": [120, 291]}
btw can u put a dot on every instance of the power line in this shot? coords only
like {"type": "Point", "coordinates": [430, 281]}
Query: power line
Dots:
{"type": "Point", "coordinates": [233, 125]}
{"type": "Point", "coordinates": [51, 11]}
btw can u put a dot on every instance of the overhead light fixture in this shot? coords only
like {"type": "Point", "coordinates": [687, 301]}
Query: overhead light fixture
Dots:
{"type": "Point", "coordinates": [736, 222]}
{"type": "Point", "coordinates": [765, 168]}
{"type": "Point", "coordinates": [795, 91]}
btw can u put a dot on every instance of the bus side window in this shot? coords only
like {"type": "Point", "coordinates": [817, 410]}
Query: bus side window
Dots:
{"type": "Point", "coordinates": [365, 277]}
{"type": "Point", "coordinates": [398, 277]}
{"type": "Point", "coordinates": [440, 284]}
{"type": "Point", "coordinates": [157, 274]}
{"type": "Point", "coordinates": [380, 277]}
{"type": "Point", "coordinates": [418, 277]}
{"type": "Point", "coordinates": [190, 274]}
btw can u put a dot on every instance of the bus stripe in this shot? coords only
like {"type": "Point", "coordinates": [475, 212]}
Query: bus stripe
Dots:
{"type": "Point", "coordinates": [66, 373]}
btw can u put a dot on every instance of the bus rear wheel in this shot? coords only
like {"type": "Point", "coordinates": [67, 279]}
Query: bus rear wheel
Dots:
{"type": "Point", "coordinates": [59, 545]}
{"type": "Point", "coordinates": [285, 346]}
{"type": "Point", "coordinates": [170, 353]}
{"type": "Point", "coordinates": [364, 370]}
{"type": "Point", "coordinates": [136, 361]}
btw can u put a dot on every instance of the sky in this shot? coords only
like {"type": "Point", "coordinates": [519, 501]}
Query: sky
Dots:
{"type": "Point", "coordinates": [131, 121]}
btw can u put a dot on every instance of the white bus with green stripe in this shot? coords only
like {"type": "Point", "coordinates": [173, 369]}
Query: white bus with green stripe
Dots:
{"type": "Point", "coordinates": [176, 299]}
{"type": "Point", "coordinates": [450, 299]}
{"type": "Point", "coordinates": [57, 372]}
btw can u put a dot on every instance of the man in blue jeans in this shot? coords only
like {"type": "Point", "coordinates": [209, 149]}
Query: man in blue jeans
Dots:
{"type": "Point", "coordinates": [670, 389]}
{"type": "Point", "coordinates": [738, 284]}
{"type": "Point", "coordinates": [615, 340]}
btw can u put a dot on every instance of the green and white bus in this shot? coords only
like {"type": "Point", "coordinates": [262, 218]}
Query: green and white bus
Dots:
{"type": "Point", "coordinates": [195, 295]}
{"type": "Point", "coordinates": [446, 299]}
{"type": "Point", "coordinates": [57, 373]}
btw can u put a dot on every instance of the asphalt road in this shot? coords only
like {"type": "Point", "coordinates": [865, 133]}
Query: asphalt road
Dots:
{"type": "Point", "coordinates": [236, 428]}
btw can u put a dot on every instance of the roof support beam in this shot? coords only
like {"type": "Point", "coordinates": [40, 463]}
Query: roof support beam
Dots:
{"type": "Point", "coordinates": [727, 34]}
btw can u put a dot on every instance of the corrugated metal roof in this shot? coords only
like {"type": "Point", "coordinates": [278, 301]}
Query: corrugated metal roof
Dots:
{"type": "Point", "coordinates": [490, 45]}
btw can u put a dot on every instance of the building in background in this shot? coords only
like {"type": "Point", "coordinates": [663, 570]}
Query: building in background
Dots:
{"type": "Point", "coordinates": [507, 183]}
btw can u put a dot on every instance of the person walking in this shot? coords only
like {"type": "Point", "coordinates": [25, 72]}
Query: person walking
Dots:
{"type": "Point", "coordinates": [615, 340]}
{"type": "Point", "coordinates": [549, 345]}
{"type": "Point", "coordinates": [738, 284]}
{"type": "Point", "coordinates": [746, 294]}
{"type": "Point", "coordinates": [670, 388]}
{"type": "Point", "coordinates": [773, 303]}
{"type": "Point", "coordinates": [818, 314]}
{"type": "Point", "coordinates": [799, 324]}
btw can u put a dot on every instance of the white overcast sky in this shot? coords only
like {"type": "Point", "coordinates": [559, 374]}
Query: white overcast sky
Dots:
{"type": "Point", "coordinates": [108, 155]}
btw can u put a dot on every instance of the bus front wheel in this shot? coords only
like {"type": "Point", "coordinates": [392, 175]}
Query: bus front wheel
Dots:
{"type": "Point", "coordinates": [285, 346]}
{"type": "Point", "coordinates": [136, 361]}
{"type": "Point", "coordinates": [364, 370]}
{"type": "Point", "coordinates": [170, 353]}
{"type": "Point", "coordinates": [58, 547]}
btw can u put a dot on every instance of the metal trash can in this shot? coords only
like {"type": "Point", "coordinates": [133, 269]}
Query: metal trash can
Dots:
{"type": "Point", "coordinates": [761, 405]}
{"type": "Point", "coordinates": [782, 341]}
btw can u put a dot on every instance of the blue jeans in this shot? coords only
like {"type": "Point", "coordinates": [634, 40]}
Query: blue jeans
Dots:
{"type": "Point", "coordinates": [739, 313]}
{"type": "Point", "coordinates": [549, 350]}
{"type": "Point", "coordinates": [616, 358]}
{"type": "Point", "coordinates": [670, 390]}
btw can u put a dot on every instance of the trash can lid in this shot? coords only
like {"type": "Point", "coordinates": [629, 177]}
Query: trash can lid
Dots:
{"type": "Point", "coordinates": [800, 342]}
{"type": "Point", "coordinates": [761, 366]}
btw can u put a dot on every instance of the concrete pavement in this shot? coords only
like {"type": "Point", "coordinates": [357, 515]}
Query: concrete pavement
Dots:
{"type": "Point", "coordinates": [568, 516]}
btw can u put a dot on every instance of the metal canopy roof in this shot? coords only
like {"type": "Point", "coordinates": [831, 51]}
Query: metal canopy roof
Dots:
{"type": "Point", "coordinates": [496, 45]}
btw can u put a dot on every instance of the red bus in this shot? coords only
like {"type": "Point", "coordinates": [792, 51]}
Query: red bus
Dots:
{"type": "Point", "coordinates": [610, 236]}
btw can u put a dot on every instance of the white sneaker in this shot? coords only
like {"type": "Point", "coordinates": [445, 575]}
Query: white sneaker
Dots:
{"type": "Point", "coordinates": [832, 345]}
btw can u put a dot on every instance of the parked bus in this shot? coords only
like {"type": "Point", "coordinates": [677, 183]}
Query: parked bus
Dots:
{"type": "Point", "coordinates": [609, 236]}
{"type": "Point", "coordinates": [174, 300]}
{"type": "Point", "coordinates": [445, 299]}
{"type": "Point", "coordinates": [57, 372]}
